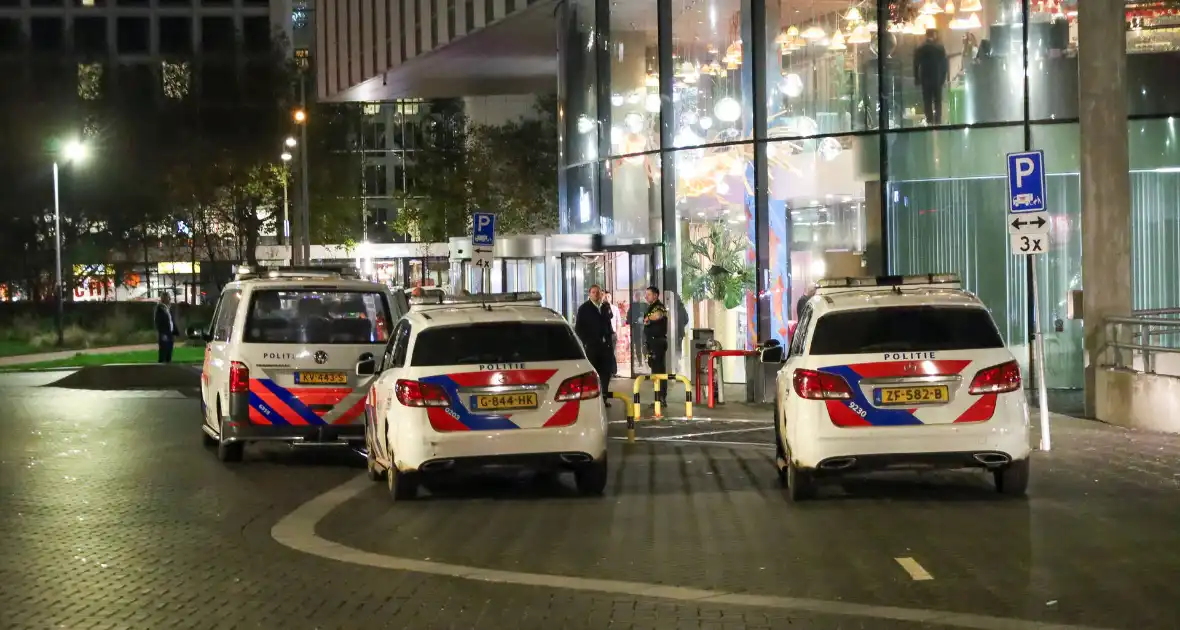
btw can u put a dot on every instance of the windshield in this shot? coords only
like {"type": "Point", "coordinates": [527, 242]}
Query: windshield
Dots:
{"type": "Point", "coordinates": [500, 342]}
{"type": "Point", "coordinates": [313, 316]}
{"type": "Point", "coordinates": [905, 328]}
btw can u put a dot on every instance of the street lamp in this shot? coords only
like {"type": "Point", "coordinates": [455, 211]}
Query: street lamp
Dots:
{"type": "Point", "coordinates": [300, 117]}
{"type": "Point", "coordinates": [286, 156]}
{"type": "Point", "coordinates": [72, 151]}
{"type": "Point", "coordinates": [291, 142]}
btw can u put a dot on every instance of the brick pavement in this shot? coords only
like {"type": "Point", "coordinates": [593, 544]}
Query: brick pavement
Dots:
{"type": "Point", "coordinates": [112, 513]}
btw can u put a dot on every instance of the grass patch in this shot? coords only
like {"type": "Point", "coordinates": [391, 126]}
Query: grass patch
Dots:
{"type": "Point", "coordinates": [14, 348]}
{"type": "Point", "coordinates": [180, 354]}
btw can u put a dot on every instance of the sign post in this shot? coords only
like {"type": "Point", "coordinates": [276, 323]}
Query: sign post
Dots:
{"type": "Point", "coordinates": [1028, 232]}
{"type": "Point", "coordinates": [483, 246]}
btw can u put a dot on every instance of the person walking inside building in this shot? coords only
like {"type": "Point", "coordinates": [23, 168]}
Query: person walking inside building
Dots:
{"type": "Point", "coordinates": [655, 336]}
{"type": "Point", "coordinates": [593, 327]}
{"type": "Point", "coordinates": [930, 73]}
{"type": "Point", "coordinates": [165, 328]}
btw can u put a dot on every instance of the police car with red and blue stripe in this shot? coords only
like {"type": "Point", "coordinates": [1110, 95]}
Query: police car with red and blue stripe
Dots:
{"type": "Point", "coordinates": [486, 380]}
{"type": "Point", "coordinates": [897, 372]}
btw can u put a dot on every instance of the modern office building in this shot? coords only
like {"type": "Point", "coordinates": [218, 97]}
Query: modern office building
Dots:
{"type": "Point", "coordinates": [782, 140]}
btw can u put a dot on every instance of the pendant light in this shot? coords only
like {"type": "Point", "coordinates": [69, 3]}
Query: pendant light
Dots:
{"type": "Point", "coordinates": [950, 7]}
{"type": "Point", "coordinates": [853, 16]}
{"type": "Point", "coordinates": [814, 32]}
{"type": "Point", "coordinates": [728, 109]}
{"type": "Point", "coordinates": [793, 32]}
{"type": "Point", "coordinates": [971, 6]}
{"type": "Point", "coordinates": [974, 22]}
{"type": "Point", "coordinates": [931, 8]}
{"type": "Point", "coordinates": [837, 42]}
{"type": "Point", "coordinates": [860, 35]}
{"type": "Point", "coordinates": [783, 38]}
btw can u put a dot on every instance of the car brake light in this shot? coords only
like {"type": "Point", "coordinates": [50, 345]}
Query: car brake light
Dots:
{"type": "Point", "coordinates": [580, 387]}
{"type": "Point", "coordinates": [814, 385]}
{"type": "Point", "coordinates": [997, 379]}
{"type": "Point", "coordinates": [239, 378]}
{"type": "Point", "coordinates": [419, 394]}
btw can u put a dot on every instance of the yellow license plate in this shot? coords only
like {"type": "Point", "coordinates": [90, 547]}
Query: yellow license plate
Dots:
{"type": "Point", "coordinates": [925, 395]}
{"type": "Point", "coordinates": [321, 378]}
{"type": "Point", "coordinates": [504, 402]}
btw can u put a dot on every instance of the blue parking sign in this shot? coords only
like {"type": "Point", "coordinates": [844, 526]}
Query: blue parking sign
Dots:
{"type": "Point", "coordinates": [483, 232]}
{"type": "Point", "coordinates": [1026, 182]}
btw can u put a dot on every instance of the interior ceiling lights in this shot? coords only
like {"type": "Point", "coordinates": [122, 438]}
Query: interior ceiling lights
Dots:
{"type": "Point", "coordinates": [971, 6]}
{"type": "Point", "coordinates": [860, 35]}
{"type": "Point", "coordinates": [814, 32]}
{"type": "Point", "coordinates": [931, 8]}
{"type": "Point", "coordinates": [853, 15]}
{"type": "Point", "coordinates": [950, 7]}
{"type": "Point", "coordinates": [837, 42]}
{"type": "Point", "coordinates": [728, 109]}
{"type": "Point", "coordinates": [967, 23]}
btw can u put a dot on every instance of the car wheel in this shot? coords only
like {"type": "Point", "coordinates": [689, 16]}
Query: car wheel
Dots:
{"type": "Point", "coordinates": [799, 484]}
{"type": "Point", "coordinates": [227, 451]}
{"type": "Point", "coordinates": [1012, 480]}
{"type": "Point", "coordinates": [402, 486]}
{"type": "Point", "coordinates": [591, 478]}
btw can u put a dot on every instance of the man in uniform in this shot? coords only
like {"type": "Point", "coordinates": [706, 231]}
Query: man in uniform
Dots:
{"type": "Point", "coordinates": [655, 334]}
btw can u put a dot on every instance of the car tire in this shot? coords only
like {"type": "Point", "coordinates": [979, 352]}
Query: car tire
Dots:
{"type": "Point", "coordinates": [227, 451]}
{"type": "Point", "coordinates": [402, 486]}
{"type": "Point", "coordinates": [591, 478]}
{"type": "Point", "coordinates": [1012, 480]}
{"type": "Point", "coordinates": [799, 484]}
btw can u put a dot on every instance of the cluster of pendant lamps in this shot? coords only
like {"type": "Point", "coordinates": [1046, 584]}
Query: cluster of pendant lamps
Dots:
{"type": "Point", "coordinates": [860, 31]}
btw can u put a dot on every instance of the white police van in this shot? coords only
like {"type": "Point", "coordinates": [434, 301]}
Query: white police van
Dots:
{"type": "Point", "coordinates": [280, 354]}
{"type": "Point", "coordinates": [485, 380]}
{"type": "Point", "coordinates": [898, 372]}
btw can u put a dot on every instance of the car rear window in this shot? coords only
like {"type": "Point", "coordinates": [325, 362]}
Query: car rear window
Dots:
{"type": "Point", "coordinates": [313, 316]}
{"type": "Point", "coordinates": [499, 342]}
{"type": "Point", "coordinates": [905, 328]}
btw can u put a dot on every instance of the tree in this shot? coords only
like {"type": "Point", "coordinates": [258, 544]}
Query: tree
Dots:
{"type": "Point", "coordinates": [517, 166]}
{"type": "Point", "coordinates": [440, 203]}
{"type": "Point", "coordinates": [335, 212]}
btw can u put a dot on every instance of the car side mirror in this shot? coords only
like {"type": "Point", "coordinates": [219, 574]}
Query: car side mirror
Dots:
{"type": "Point", "coordinates": [772, 354]}
{"type": "Point", "coordinates": [366, 367]}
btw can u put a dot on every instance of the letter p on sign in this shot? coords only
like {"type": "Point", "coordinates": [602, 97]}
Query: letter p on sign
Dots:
{"type": "Point", "coordinates": [1024, 167]}
{"type": "Point", "coordinates": [485, 220]}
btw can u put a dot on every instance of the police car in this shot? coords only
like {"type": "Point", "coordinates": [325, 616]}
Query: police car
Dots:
{"type": "Point", "coordinates": [473, 381]}
{"type": "Point", "coordinates": [280, 356]}
{"type": "Point", "coordinates": [897, 372]}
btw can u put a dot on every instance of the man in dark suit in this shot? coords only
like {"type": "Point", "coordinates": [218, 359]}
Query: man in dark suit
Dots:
{"type": "Point", "coordinates": [931, 71]}
{"type": "Point", "coordinates": [593, 326]}
{"type": "Point", "coordinates": [165, 327]}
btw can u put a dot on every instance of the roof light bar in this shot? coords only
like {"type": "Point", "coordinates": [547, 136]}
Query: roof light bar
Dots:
{"type": "Point", "coordinates": [949, 280]}
{"type": "Point", "coordinates": [249, 272]}
{"type": "Point", "coordinates": [441, 299]}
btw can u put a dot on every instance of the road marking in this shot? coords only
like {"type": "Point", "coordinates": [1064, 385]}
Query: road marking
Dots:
{"type": "Point", "coordinates": [915, 570]}
{"type": "Point", "coordinates": [664, 438]}
{"type": "Point", "coordinates": [297, 531]}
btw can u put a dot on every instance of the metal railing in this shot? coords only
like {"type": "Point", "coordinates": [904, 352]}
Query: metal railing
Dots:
{"type": "Point", "coordinates": [1139, 339]}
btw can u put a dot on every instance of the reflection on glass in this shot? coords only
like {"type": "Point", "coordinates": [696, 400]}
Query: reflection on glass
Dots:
{"type": "Point", "coordinates": [714, 210]}
{"type": "Point", "coordinates": [635, 187]}
{"type": "Point", "coordinates": [635, 86]}
{"type": "Point", "coordinates": [708, 84]}
{"type": "Point", "coordinates": [823, 73]}
{"type": "Point", "coordinates": [581, 85]}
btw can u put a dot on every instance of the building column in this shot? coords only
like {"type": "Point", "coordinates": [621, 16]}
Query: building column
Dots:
{"type": "Point", "coordinates": [1105, 178]}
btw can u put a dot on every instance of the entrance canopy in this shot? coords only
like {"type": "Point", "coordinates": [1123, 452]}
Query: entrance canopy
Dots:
{"type": "Point", "coordinates": [513, 55]}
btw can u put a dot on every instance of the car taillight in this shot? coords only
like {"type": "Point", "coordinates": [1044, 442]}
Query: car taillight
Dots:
{"type": "Point", "coordinates": [580, 387]}
{"type": "Point", "coordinates": [239, 378]}
{"type": "Point", "coordinates": [419, 394]}
{"type": "Point", "coordinates": [814, 385]}
{"type": "Point", "coordinates": [997, 379]}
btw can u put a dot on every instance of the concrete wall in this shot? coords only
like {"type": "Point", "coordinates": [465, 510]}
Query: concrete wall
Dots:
{"type": "Point", "coordinates": [1137, 401]}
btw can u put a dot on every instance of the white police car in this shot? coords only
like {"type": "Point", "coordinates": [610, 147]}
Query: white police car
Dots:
{"type": "Point", "coordinates": [898, 372]}
{"type": "Point", "coordinates": [483, 380]}
{"type": "Point", "coordinates": [280, 355]}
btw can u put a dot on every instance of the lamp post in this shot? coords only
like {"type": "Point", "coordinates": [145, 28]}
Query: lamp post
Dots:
{"type": "Point", "coordinates": [286, 156]}
{"type": "Point", "coordinates": [72, 151]}
{"type": "Point", "coordinates": [300, 116]}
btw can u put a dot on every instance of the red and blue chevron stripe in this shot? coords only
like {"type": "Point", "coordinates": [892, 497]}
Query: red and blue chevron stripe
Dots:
{"type": "Point", "coordinates": [459, 417]}
{"type": "Point", "coordinates": [272, 404]}
{"type": "Point", "coordinates": [842, 412]}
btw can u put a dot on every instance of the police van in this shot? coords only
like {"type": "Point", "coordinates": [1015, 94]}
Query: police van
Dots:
{"type": "Point", "coordinates": [897, 372]}
{"type": "Point", "coordinates": [485, 380]}
{"type": "Point", "coordinates": [280, 356]}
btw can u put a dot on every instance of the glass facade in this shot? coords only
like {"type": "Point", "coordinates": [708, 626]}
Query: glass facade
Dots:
{"type": "Point", "coordinates": [767, 143]}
